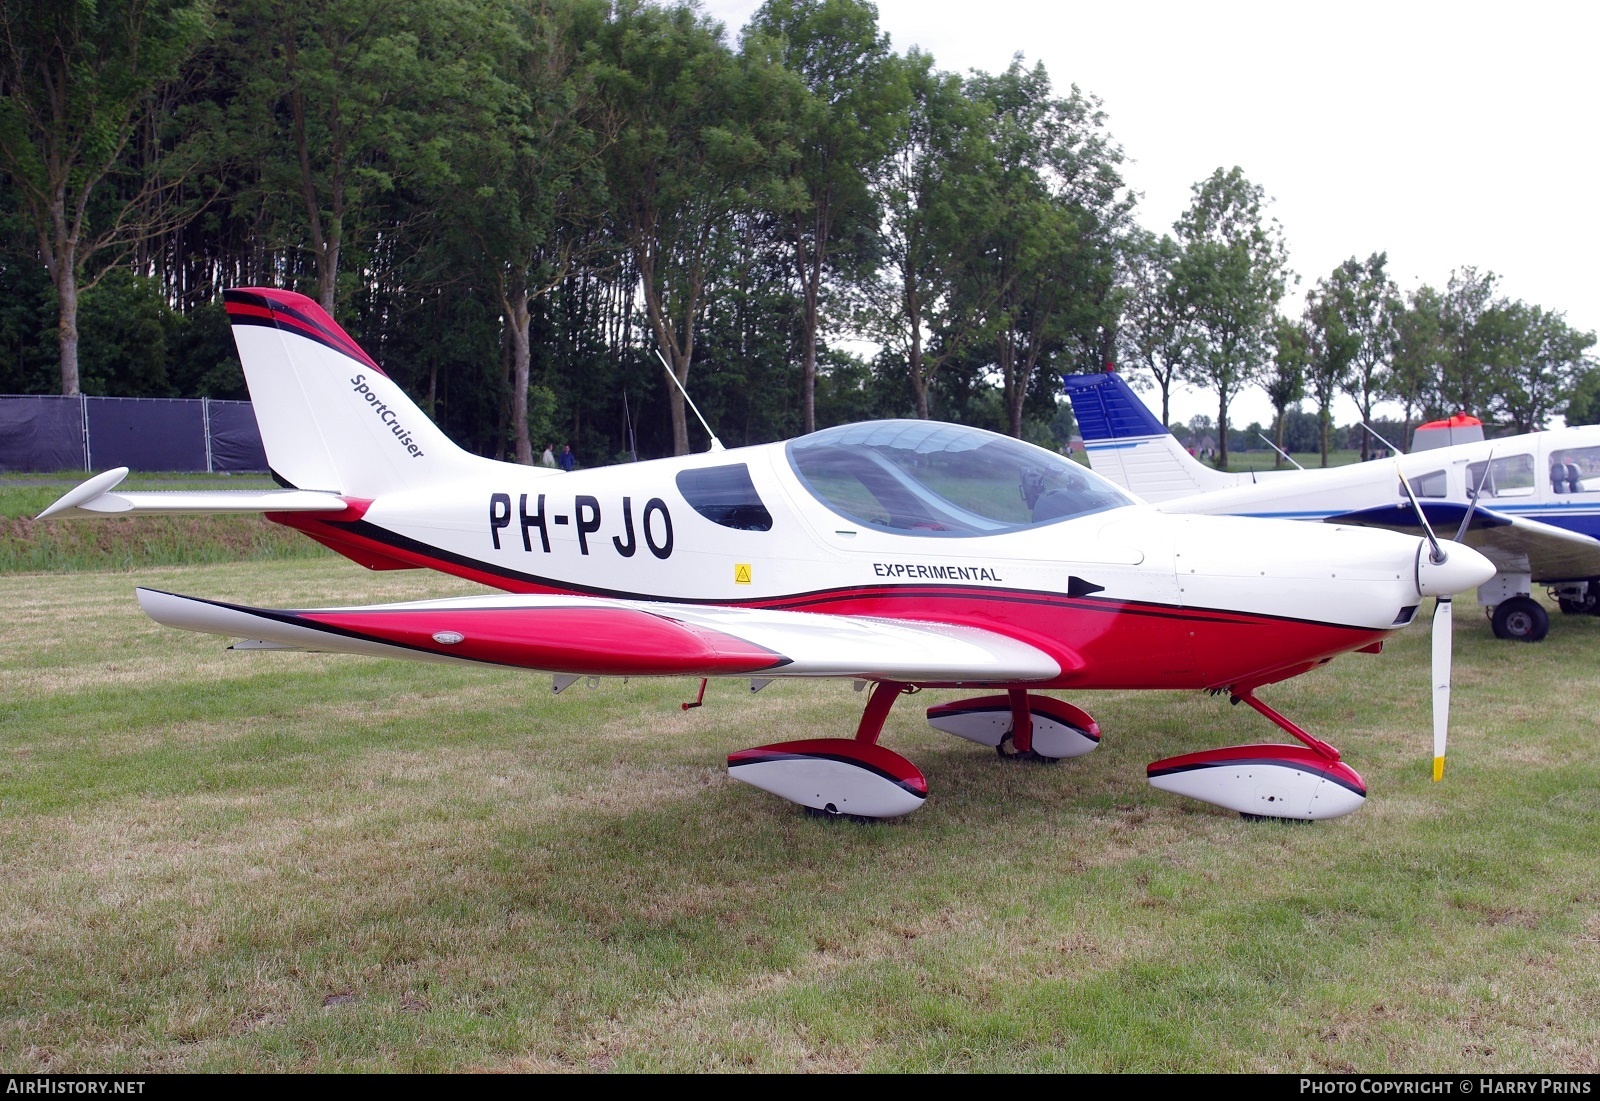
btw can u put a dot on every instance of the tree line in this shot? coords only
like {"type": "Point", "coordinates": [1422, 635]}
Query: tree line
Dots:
{"type": "Point", "coordinates": [528, 210]}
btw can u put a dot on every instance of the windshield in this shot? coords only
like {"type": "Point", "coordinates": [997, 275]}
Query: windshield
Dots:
{"type": "Point", "coordinates": [930, 478]}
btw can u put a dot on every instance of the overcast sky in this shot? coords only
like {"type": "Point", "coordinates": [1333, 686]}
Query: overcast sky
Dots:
{"type": "Point", "coordinates": [1448, 135]}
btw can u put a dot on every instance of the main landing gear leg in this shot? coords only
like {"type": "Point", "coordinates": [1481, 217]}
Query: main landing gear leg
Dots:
{"type": "Point", "coordinates": [1297, 783]}
{"type": "Point", "coordinates": [1021, 733]}
{"type": "Point", "coordinates": [849, 777]}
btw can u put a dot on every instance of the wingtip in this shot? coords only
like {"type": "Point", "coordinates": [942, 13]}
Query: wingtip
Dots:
{"type": "Point", "coordinates": [87, 491]}
{"type": "Point", "coordinates": [1438, 769]}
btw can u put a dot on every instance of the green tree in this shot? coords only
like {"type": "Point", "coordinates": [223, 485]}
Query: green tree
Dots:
{"type": "Point", "coordinates": [1550, 358]}
{"type": "Point", "coordinates": [1286, 384]}
{"type": "Point", "coordinates": [1414, 374]}
{"type": "Point", "coordinates": [1042, 277]}
{"type": "Point", "coordinates": [79, 81]}
{"type": "Point", "coordinates": [1372, 308]}
{"type": "Point", "coordinates": [337, 103]}
{"type": "Point", "coordinates": [529, 151]}
{"type": "Point", "coordinates": [841, 119]}
{"type": "Point", "coordinates": [1583, 401]}
{"type": "Point", "coordinates": [1331, 348]}
{"type": "Point", "coordinates": [1476, 340]}
{"type": "Point", "coordinates": [931, 192]}
{"type": "Point", "coordinates": [1231, 272]}
{"type": "Point", "coordinates": [682, 164]}
{"type": "Point", "coordinates": [1153, 333]}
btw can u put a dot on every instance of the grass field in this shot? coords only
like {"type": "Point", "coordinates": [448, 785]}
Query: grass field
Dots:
{"type": "Point", "coordinates": [219, 861]}
{"type": "Point", "coordinates": [1262, 460]}
{"type": "Point", "coordinates": [126, 542]}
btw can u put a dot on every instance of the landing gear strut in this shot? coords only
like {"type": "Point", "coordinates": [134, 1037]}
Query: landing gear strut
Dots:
{"type": "Point", "coordinates": [1037, 728]}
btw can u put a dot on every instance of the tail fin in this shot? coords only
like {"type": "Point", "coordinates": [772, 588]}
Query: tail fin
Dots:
{"type": "Point", "coordinates": [1127, 444]}
{"type": "Point", "coordinates": [330, 418]}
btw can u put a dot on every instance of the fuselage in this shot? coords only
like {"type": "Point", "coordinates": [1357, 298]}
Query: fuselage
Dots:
{"type": "Point", "coordinates": [1121, 594]}
{"type": "Point", "coordinates": [1520, 482]}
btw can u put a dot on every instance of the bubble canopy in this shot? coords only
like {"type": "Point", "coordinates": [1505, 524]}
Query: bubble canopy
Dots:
{"type": "Point", "coordinates": [936, 479]}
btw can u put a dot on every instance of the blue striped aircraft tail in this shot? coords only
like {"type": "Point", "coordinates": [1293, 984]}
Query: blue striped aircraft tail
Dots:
{"type": "Point", "coordinates": [1126, 443]}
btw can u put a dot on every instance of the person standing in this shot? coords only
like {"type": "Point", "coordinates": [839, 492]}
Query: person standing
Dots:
{"type": "Point", "coordinates": [549, 456]}
{"type": "Point", "coordinates": [567, 460]}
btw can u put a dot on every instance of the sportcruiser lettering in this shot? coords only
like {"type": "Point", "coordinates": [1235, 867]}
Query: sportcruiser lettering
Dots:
{"type": "Point", "coordinates": [386, 415]}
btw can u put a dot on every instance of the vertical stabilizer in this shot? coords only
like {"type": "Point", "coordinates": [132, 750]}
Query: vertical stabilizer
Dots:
{"type": "Point", "coordinates": [330, 418]}
{"type": "Point", "coordinates": [1126, 443]}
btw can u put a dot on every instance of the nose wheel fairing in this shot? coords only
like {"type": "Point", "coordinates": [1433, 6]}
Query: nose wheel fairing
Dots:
{"type": "Point", "coordinates": [1264, 781]}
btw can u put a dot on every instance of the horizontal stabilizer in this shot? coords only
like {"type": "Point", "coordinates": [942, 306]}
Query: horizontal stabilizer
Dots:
{"type": "Point", "coordinates": [94, 498]}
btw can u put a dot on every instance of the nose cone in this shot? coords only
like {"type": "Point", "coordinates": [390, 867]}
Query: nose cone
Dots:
{"type": "Point", "coordinates": [1463, 568]}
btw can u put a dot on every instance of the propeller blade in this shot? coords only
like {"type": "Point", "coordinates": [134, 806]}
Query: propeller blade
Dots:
{"type": "Point", "coordinates": [1466, 521]}
{"type": "Point", "coordinates": [1433, 540]}
{"type": "Point", "coordinates": [1442, 630]}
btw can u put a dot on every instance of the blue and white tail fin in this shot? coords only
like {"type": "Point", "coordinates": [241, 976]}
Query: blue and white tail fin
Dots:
{"type": "Point", "coordinates": [330, 418]}
{"type": "Point", "coordinates": [1126, 443]}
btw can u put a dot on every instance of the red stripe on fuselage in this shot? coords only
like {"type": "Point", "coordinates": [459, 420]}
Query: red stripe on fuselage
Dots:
{"type": "Point", "coordinates": [1098, 642]}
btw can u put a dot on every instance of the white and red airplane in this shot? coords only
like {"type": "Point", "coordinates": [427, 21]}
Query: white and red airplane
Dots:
{"type": "Point", "coordinates": [1530, 503]}
{"type": "Point", "coordinates": [903, 554]}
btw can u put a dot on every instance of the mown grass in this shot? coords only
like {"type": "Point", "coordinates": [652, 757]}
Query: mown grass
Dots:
{"type": "Point", "coordinates": [1265, 459]}
{"type": "Point", "coordinates": [220, 861]}
{"type": "Point", "coordinates": [125, 543]}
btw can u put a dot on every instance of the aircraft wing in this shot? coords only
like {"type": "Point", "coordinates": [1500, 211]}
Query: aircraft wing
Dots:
{"type": "Point", "coordinates": [1551, 553]}
{"type": "Point", "coordinates": [592, 636]}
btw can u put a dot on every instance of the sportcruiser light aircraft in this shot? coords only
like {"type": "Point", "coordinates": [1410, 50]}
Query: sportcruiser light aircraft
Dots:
{"type": "Point", "coordinates": [1534, 499]}
{"type": "Point", "coordinates": [900, 554]}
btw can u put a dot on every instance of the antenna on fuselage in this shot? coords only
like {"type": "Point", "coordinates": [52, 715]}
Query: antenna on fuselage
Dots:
{"type": "Point", "coordinates": [627, 420]}
{"type": "Point", "coordinates": [1381, 440]}
{"type": "Point", "coordinates": [716, 444]}
{"type": "Point", "coordinates": [1279, 450]}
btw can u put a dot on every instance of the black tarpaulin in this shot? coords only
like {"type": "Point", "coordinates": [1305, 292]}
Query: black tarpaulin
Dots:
{"type": "Point", "coordinates": [146, 433]}
{"type": "Point", "coordinates": [235, 438]}
{"type": "Point", "coordinates": [42, 433]}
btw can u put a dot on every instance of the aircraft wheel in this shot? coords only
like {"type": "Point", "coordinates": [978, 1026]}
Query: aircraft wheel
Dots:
{"type": "Point", "coordinates": [1521, 619]}
{"type": "Point", "coordinates": [1588, 604]}
{"type": "Point", "coordinates": [831, 811]}
{"type": "Point", "coordinates": [1008, 754]}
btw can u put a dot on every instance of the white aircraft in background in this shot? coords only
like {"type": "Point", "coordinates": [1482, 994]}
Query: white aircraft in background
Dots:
{"type": "Point", "coordinates": [1537, 517]}
{"type": "Point", "coordinates": [901, 554]}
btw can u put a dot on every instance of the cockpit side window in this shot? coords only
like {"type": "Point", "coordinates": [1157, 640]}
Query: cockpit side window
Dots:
{"type": "Point", "coordinates": [929, 478]}
{"type": "Point", "coordinates": [1431, 484]}
{"type": "Point", "coordinates": [1511, 476]}
{"type": "Point", "coordinates": [1575, 470]}
{"type": "Point", "coordinates": [725, 495]}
